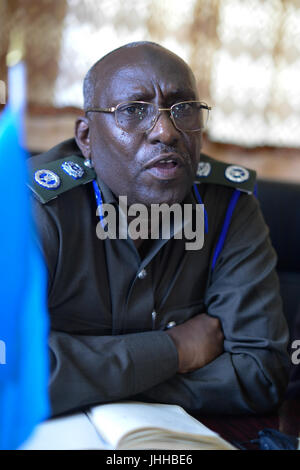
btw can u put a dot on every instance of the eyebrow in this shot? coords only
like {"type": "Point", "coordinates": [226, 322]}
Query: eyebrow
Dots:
{"type": "Point", "coordinates": [182, 94]}
{"type": "Point", "coordinates": [139, 96]}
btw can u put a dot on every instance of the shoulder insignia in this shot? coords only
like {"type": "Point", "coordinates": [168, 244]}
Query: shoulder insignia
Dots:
{"type": "Point", "coordinates": [51, 179]}
{"type": "Point", "coordinates": [218, 172]}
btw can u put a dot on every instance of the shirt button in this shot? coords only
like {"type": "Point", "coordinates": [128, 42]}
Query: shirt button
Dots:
{"type": "Point", "coordinates": [171, 324]}
{"type": "Point", "coordinates": [142, 274]}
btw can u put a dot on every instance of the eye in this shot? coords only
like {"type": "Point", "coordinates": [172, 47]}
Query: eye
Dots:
{"type": "Point", "coordinates": [183, 108]}
{"type": "Point", "coordinates": [133, 109]}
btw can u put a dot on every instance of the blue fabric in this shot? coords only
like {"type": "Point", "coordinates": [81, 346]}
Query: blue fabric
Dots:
{"type": "Point", "coordinates": [99, 202]}
{"type": "Point", "coordinates": [200, 202]}
{"type": "Point", "coordinates": [24, 370]}
{"type": "Point", "coordinates": [232, 203]}
{"type": "Point", "coordinates": [255, 192]}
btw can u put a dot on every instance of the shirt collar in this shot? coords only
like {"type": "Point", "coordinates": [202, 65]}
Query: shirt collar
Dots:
{"type": "Point", "coordinates": [107, 195]}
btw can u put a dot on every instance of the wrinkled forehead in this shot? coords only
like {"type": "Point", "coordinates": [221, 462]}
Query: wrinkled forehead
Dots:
{"type": "Point", "coordinates": [144, 73]}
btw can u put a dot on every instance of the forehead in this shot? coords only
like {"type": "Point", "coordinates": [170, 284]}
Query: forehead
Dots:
{"type": "Point", "coordinates": [144, 73]}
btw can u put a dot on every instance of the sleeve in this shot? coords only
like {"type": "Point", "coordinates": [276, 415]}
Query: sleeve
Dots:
{"type": "Point", "coordinates": [86, 370]}
{"type": "Point", "coordinates": [251, 375]}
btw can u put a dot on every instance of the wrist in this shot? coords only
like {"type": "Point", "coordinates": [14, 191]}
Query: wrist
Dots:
{"type": "Point", "coordinates": [174, 337]}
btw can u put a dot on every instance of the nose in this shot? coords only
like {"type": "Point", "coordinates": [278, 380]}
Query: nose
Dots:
{"type": "Point", "coordinates": [164, 130]}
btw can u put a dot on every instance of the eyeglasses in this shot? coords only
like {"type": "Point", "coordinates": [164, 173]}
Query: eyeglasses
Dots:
{"type": "Point", "coordinates": [139, 116]}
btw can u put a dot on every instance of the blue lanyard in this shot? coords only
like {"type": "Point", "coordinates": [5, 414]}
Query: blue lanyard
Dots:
{"type": "Point", "coordinates": [220, 243]}
{"type": "Point", "coordinates": [232, 203]}
{"type": "Point", "coordinates": [99, 202]}
{"type": "Point", "coordinates": [196, 190]}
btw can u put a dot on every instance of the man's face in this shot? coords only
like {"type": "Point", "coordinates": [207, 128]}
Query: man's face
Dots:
{"type": "Point", "coordinates": [134, 164]}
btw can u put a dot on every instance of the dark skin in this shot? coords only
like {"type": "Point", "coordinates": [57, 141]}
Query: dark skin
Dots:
{"type": "Point", "coordinates": [123, 160]}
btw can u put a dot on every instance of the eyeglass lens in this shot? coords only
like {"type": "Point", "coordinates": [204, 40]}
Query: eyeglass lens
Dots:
{"type": "Point", "coordinates": [140, 117]}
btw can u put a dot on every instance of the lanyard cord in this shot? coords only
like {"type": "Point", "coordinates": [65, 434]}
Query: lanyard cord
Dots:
{"type": "Point", "coordinates": [196, 190]}
{"type": "Point", "coordinates": [232, 203]}
{"type": "Point", "coordinates": [99, 202]}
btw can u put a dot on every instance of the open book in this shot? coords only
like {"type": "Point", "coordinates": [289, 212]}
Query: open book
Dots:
{"type": "Point", "coordinates": [126, 426]}
{"type": "Point", "coordinates": [136, 425]}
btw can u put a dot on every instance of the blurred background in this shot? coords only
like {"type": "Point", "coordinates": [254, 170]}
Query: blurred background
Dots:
{"type": "Point", "coordinates": [245, 55]}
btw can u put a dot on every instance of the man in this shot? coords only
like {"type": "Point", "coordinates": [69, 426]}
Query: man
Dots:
{"type": "Point", "coordinates": [112, 302]}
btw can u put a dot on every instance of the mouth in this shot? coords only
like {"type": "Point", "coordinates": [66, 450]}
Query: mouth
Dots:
{"type": "Point", "coordinates": [166, 166]}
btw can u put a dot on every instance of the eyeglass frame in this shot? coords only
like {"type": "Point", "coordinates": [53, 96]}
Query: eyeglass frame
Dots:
{"type": "Point", "coordinates": [113, 109]}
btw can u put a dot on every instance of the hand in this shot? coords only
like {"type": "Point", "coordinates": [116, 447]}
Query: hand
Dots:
{"type": "Point", "coordinates": [198, 341]}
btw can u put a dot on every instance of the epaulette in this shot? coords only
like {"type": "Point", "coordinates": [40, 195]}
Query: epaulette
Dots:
{"type": "Point", "coordinates": [51, 179]}
{"type": "Point", "coordinates": [232, 175]}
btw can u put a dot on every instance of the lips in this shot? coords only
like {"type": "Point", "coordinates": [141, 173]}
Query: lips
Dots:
{"type": "Point", "coordinates": [166, 166]}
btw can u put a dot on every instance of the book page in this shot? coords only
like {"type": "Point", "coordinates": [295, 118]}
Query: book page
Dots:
{"type": "Point", "coordinates": [67, 433]}
{"type": "Point", "coordinates": [115, 420]}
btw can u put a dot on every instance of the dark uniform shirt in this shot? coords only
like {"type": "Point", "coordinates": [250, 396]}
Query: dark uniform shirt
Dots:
{"type": "Point", "coordinates": [106, 344]}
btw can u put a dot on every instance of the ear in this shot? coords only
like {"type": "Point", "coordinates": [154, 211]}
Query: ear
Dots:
{"type": "Point", "coordinates": [82, 136]}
